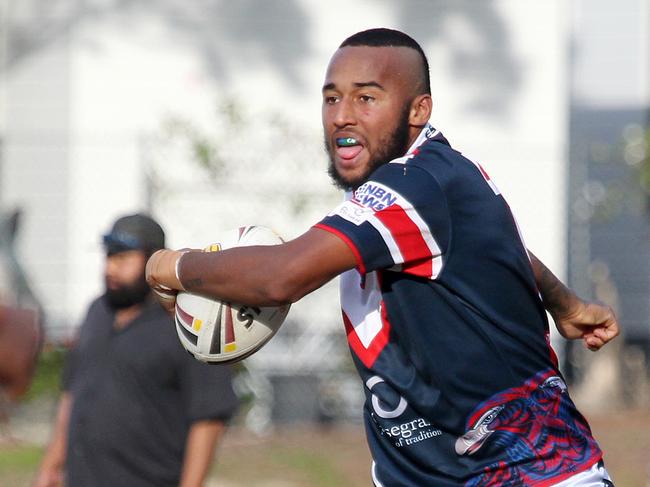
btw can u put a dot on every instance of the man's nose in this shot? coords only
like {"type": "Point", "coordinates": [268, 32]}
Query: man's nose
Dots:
{"type": "Point", "coordinates": [344, 115]}
{"type": "Point", "coordinates": [110, 267]}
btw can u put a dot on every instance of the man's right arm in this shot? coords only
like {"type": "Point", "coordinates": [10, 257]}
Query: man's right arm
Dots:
{"type": "Point", "coordinates": [50, 473]}
{"type": "Point", "coordinates": [257, 275]}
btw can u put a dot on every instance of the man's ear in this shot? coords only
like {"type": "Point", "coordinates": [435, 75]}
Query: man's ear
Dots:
{"type": "Point", "coordinates": [421, 108]}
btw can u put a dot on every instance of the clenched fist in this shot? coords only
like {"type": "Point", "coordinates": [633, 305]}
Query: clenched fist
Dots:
{"type": "Point", "coordinates": [162, 277]}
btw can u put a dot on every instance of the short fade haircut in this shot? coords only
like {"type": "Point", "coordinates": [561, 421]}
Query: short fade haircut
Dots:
{"type": "Point", "coordinates": [382, 37]}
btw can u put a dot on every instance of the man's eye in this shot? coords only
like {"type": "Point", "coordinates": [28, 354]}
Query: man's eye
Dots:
{"type": "Point", "coordinates": [366, 98]}
{"type": "Point", "coordinates": [330, 100]}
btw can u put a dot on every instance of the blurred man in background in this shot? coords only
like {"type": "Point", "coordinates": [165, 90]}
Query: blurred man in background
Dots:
{"type": "Point", "coordinates": [136, 409]}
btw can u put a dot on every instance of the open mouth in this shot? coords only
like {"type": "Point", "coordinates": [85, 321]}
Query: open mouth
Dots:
{"type": "Point", "coordinates": [348, 148]}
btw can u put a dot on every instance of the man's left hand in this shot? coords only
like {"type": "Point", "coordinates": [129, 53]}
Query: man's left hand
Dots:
{"type": "Point", "coordinates": [594, 323]}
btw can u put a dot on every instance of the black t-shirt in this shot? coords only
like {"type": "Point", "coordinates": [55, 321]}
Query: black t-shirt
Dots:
{"type": "Point", "coordinates": [136, 392]}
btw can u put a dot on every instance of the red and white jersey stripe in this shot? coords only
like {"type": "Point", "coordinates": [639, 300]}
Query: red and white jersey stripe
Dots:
{"type": "Point", "coordinates": [407, 236]}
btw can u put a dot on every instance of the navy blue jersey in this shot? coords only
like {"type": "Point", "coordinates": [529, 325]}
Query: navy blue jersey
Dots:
{"type": "Point", "coordinates": [448, 331]}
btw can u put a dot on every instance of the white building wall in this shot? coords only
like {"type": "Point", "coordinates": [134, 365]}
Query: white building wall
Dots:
{"type": "Point", "coordinates": [499, 83]}
{"type": "Point", "coordinates": [35, 98]}
{"type": "Point", "coordinates": [524, 146]}
{"type": "Point", "coordinates": [611, 53]}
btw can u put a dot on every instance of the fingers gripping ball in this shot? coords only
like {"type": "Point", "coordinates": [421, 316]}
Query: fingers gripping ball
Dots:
{"type": "Point", "coordinates": [217, 331]}
{"type": "Point", "coordinates": [166, 298]}
{"type": "Point", "coordinates": [161, 270]}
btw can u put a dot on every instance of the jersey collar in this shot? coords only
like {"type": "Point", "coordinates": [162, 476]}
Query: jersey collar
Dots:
{"type": "Point", "coordinates": [427, 133]}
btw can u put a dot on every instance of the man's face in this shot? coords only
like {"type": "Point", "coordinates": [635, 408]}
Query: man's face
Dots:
{"type": "Point", "coordinates": [124, 278]}
{"type": "Point", "coordinates": [366, 103]}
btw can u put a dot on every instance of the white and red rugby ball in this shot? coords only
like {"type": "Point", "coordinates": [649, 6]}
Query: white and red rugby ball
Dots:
{"type": "Point", "coordinates": [214, 331]}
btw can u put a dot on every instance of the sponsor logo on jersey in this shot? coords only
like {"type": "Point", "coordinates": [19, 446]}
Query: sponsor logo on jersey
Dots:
{"type": "Point", "coordinates": [471, 441]}
{"type": "Point", "coordinates": [554, 382]}
{"type": "Point", "coordinates": [405, 433]}
{"type": "Point", "coordinates": [376, 405]}
{"type": "Point", "coordinates": [375, 195]}
{"type": "Point", "coordinates": [353, 212]}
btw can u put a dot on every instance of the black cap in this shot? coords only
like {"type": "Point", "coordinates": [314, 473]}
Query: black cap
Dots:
{"type": "Point", "coordinates": [134, 232]}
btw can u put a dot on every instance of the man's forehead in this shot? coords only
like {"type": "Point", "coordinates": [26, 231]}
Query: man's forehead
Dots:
{"type": "Point", "coordinates": [369, 63]}
{"type": "Point", "coordinates": [128, 254]}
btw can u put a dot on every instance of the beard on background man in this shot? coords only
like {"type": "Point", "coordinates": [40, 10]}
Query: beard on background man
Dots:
{"type": "Point", "coordinates": [127, 295]}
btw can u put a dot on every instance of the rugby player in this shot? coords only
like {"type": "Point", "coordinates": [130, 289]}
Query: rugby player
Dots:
{"type": "Point", "coordinates": [443, 305]}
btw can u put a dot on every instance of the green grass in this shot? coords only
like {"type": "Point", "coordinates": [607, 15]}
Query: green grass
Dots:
{"type": "Point", "coordinates": [47, 376]}
{"type": "Point", "coordinates": [294, 456]}
{"type": "Point", "coordinates": [306, 457]}
{"type": "Point", "coordinates": [309, 456]}
{"type": "Point", "coordinates": [19, 458]}
{"type": "Point", "coordinates": [316, 468]}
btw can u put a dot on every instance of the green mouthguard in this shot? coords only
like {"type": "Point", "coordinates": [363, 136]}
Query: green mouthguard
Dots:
{"type": "Point", "coordinates": [346, 141]}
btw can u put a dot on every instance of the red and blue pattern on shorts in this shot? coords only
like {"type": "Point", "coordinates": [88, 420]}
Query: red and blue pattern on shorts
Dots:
{"type": "Point", "coordinates": [544, 437]}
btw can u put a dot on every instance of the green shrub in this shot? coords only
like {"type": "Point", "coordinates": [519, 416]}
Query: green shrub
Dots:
{"type": "Point", "coordinates": [47, 376]}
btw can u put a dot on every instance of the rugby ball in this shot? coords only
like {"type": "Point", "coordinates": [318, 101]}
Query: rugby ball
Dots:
{"type": "Point", "coordinates": [215, 331]}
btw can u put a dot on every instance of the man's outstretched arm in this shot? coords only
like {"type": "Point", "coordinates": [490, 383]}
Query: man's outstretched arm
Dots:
{"type": "Point", "coordinates": [574, 318]}
{"type": "Point", "coordinates": [256, 275]}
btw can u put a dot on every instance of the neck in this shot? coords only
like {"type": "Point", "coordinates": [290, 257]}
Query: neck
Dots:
{"type": "Point", "coordinates": [125, 316]}
{"type": "Point", "coordinates": [414, 132]}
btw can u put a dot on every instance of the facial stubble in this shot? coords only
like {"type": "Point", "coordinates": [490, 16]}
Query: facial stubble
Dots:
{"type": "Point", "coordinates": [391, 147]}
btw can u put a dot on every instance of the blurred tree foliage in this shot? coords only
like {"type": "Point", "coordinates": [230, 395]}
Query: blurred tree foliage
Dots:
{"type": "Point", "coordinates": [643, 167]}
{"type": "Point", "coordinates": [636, 153]}
{"type": "Point", "coordinates": [47, 377]}
{"type": "Point", "coordinates": [624, 188]}
{"type": "Point", "coordinates": [237, 143]}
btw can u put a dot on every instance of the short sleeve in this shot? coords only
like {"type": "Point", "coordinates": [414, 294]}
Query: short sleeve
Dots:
{"type": "Point", "coordinates": [398, 220]}
{"type": "Point", "coordinates": [208, 390]}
